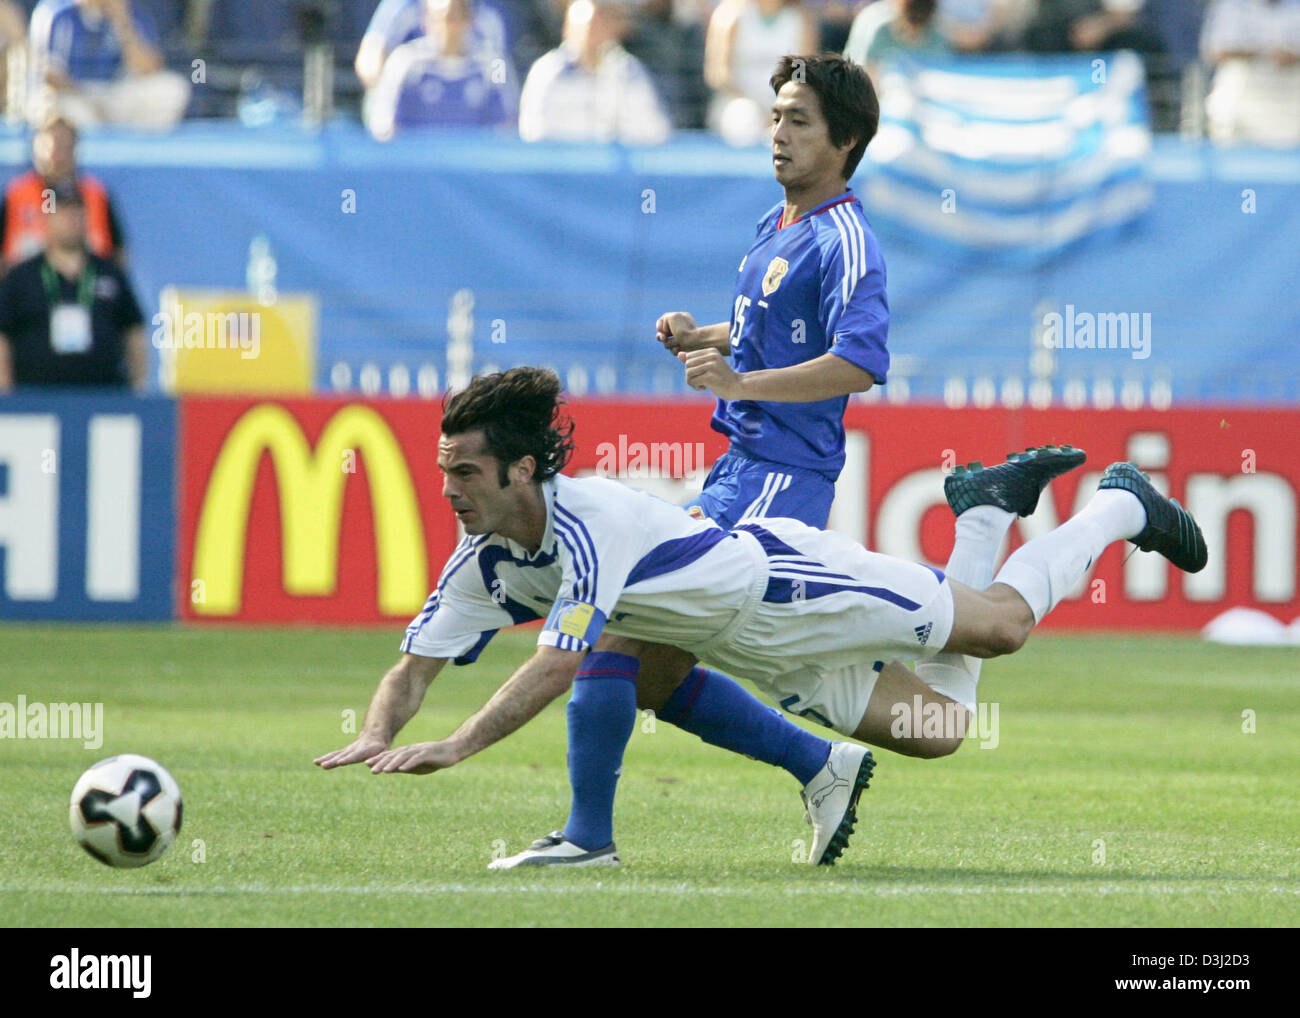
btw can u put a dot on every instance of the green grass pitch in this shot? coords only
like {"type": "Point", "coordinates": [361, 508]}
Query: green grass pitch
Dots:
{"type": "Point", "coordinates": [1132, 744]}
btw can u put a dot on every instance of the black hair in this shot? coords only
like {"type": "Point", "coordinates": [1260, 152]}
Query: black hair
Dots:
{"type": "Point", "coordinates": [847, 97]}
{"type": "Point", "coordinates": [520, 412]}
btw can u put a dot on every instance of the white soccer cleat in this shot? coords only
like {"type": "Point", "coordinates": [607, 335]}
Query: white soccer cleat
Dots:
{"type": "Point", "coordinates": [831, 798]}
{"type": "Point", "coordinates": [556, 850]}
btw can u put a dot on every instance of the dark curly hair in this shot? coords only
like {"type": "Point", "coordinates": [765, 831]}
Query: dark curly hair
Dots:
{"type": "Point", "coordinates": [520, 412]}
{"type": "Point", "coordinates": [847, 97]}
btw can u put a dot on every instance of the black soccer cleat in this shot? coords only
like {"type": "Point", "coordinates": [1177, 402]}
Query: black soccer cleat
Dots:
{"type": "Point", "coordinates": [1014, 485]}
{"type": "Point", "coordinates": [1170, 529]}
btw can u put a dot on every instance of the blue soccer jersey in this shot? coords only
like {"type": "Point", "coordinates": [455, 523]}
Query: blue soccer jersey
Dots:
{"type": "Point", "coordinates": [813, 286]}
{"type": "Point", "coordinates": [422, 88]}
{"type": "Point", "coordinates": [78, 42]}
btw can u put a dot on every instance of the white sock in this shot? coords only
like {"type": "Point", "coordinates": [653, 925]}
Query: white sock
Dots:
{"type": "Point", "coordinates": [1049, 567]}
{"type": "Point", "coordinates": [1118, 511]}
{"type": "Point", "coordinates": [979, 535]}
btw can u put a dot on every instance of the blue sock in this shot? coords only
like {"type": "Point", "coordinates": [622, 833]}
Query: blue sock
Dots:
{"type": "Point", "coordinates": [720, 712]}
{"type": "Point", "coordinates": [602, 713]}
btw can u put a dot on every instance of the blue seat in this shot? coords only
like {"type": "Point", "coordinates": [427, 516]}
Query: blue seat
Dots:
{"type": "Point", "coordinates": [266, 22]}
{"type": "Point", "coordinates": [168, 17]}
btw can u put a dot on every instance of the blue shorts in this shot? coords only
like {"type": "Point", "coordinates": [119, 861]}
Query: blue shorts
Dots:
{"type": "Point", "coordinates": [741, 488]}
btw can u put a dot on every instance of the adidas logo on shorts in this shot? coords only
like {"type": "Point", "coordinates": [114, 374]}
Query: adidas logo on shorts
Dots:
{"type": "Point", "coordinates": [923, 632]}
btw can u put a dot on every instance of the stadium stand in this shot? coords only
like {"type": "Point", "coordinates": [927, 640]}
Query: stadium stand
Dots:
{"type": "Point", "coordinates": [544, 240]}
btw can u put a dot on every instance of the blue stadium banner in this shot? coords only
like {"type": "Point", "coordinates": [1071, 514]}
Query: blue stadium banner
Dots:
{"type": "Point", "coordinates": [87, 507]}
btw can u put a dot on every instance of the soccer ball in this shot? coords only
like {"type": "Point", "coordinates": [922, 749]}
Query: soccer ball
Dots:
{"type": "Point", "coordinates": [126, 810]}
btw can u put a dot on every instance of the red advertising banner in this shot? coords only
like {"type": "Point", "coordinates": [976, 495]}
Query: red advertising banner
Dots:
{"type": "Point", "coordinates": [1234, 469]}
{"type": "Point", "coordinates": [309, 510]}
{"type": "Point", "coordinates": [330, 510]}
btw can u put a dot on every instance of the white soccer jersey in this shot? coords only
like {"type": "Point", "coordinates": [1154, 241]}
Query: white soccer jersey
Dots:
{"type": "Point", "coordinates": [603, 557]}
{"type": "Point", "coordinates": [770, 600]}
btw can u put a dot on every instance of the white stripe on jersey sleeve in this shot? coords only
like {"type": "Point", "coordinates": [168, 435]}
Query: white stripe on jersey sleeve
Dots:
{"type": "Point", "coordinates": [854, 243]}
{"type": "Point", "coordinates": [860, 235]}
{"type": "Point", "coordinates": [844, 255]}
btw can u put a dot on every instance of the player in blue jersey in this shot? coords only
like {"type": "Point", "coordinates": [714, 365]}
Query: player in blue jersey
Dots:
{"type": "Point", "coordinates": [809, 319]}
{"type": "Point", "coordinates": [809, 326]}
{"type": "Point", "coordinates": [804, 612]}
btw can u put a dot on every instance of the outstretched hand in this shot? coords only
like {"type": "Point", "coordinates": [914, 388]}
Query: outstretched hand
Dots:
{"type": "Point", "coordinates": [417, 758]}
{"type": "Point", "coordinates": [363, 748]}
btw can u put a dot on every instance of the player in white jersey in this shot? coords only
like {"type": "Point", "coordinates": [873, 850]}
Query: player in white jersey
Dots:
{"type": "Point", "coordinates": [762, 600]}
{"type": "Point", "coordinates": [805, 613]}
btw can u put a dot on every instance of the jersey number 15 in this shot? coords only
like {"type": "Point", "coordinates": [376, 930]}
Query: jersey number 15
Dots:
{"type": "Point", "coordinates": [738, 319]}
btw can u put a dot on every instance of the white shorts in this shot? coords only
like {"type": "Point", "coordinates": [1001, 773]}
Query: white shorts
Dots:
{"type": "Point", "coordinates": [835, 699]}
{"type": "Point", "coordinates": [825, 616]}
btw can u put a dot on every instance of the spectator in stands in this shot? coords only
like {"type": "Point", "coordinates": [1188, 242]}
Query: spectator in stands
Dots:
{"type": "Point", "coordinates": [438, 79]}
{"type": "Point", "coordinates": [67, 316]}
{"type": "Point", "coordinates": [1086, 26]}
{"type": "Point", "coordinates": [533, 27]}
{"type": "Point", "coordinates": [401, 21]}
{"type": "Point", "coordinates": [834, 19]}
{"type": "Point", "coordinates": [668, 39]}
{"type": "Point", "coordinates": [889, 28]}
{"type": "Point", "coordinates": [1254, 48]}
{"type": "Point", "coordinates": [24, 219]}
{"type": "Point", "coordinates": [13, 38]}
{"type": "Point", "coordinates": [982, 26]}
{"type": "Point", "coordinates": [1178, 25]}
{"type": "Point", "coordinates": [590, 88]}
{"type": "Point", "coordinates": [97, 61]}
{"type": "Point", "coordinates": [746, 39]}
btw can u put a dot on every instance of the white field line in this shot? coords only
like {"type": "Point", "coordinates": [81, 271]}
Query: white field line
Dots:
{"type": "Point", "coordinates": [1082, 888]}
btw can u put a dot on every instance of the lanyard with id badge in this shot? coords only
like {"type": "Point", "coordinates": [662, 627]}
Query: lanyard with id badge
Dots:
{"type": "Point", "coordinates": [70, 331]}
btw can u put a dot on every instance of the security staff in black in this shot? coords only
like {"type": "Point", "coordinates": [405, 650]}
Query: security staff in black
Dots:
{"type": "Point", "coordinates": [67, 316]}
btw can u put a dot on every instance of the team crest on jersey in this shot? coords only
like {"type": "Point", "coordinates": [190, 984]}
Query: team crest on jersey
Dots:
{"type": "Point", "coordinates": [775, 273]}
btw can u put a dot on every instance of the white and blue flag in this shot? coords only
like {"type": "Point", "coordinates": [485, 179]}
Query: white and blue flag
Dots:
{"type": "Point", "coordinates": [1010, 156]}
